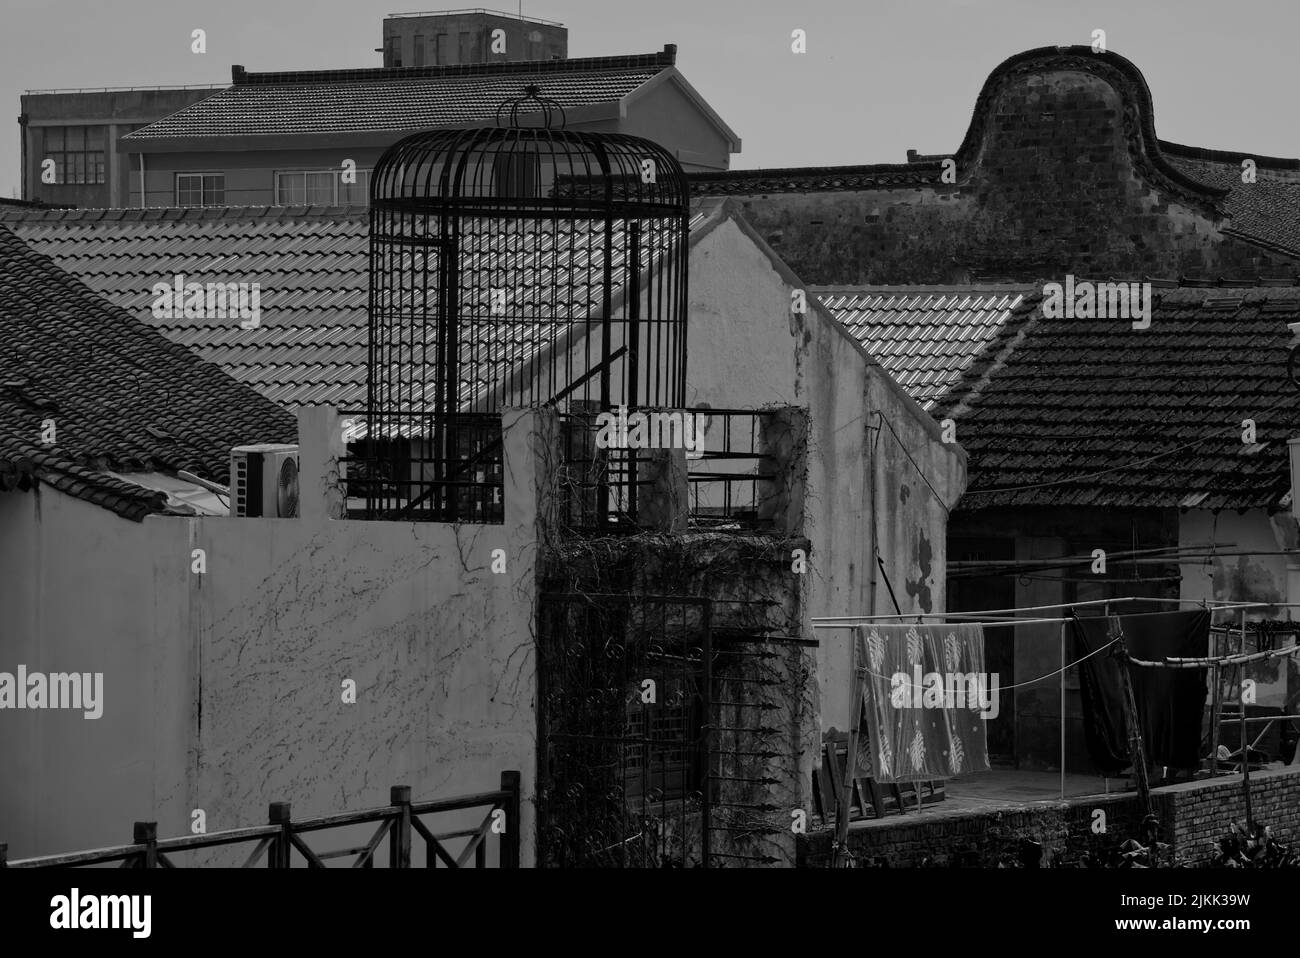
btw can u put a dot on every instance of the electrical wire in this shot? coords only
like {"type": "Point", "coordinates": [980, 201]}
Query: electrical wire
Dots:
{"type": "Point", "coordinates": [938, 498]}
{"type": "Point", "coordinates": [1007, 688]}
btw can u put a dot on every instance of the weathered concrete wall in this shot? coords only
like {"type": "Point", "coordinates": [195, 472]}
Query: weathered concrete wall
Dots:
{"type": "Point", "coordinates": [1238, 578]}
{"type": "Point", "coordinates": [1248, 578]}
{"type": "Point", "coordinates": [747, 349]}
{"type": "Point", "coordinates": [223, 689]}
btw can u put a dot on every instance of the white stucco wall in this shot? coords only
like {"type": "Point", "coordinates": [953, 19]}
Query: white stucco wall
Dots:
{"type": "Point", "coordinates": [223, 690]}
{"type": "Point", "coordinates": [747, 349]}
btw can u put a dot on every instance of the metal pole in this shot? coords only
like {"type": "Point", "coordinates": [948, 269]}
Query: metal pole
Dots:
{"type": "Point", "coordinates": [1216, 716]}
{"type": "Point", "coordinates": [840, 858]}
{"type": "Point", "coordinates": [1062, 678]}
{"type": "Point", "coordinates": [1245, 745]}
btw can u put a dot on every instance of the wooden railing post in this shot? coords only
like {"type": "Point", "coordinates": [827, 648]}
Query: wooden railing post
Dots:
{"type": "Point", "coordinates": [278, 854]}
{"type": "Point", "coordinates": [146, 833]}
{"type": "Point", "coordinates": [399, 836]}
{"type": "Point", "coordinates": [509, 855]}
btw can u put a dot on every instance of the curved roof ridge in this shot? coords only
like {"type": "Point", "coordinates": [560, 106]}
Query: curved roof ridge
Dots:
{"type": "Point", "coordinates": [1121, 73]}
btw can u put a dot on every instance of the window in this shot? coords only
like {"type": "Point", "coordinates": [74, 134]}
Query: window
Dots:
{"type": "Point", "coordinates": [321, 188]}
{"type": "Point", "coordinates": [442, 53]}
{"type": "Point", "coordinates": [393, 56]}
{"type": "Point", "coordinates": [419, 50]}
{"type": "Point", "coordinates": [467, 48]}
{"type": "Point", "coordinates": [200, 189]}
{"type": "Point", "coordinates": [77, 152]}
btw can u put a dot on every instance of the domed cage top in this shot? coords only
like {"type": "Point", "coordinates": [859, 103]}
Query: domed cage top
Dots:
{"type": "Point", "coordinates": [515, 266]}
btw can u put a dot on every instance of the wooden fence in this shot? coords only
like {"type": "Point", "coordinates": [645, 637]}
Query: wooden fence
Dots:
{"type": "Point", "coordinates": [276, 841]}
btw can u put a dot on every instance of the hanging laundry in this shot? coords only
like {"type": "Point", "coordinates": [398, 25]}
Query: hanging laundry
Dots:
{"type": "Point", "coordinates": [1170, 702]}
{"type": "Point", "coordinates": [926, 699]}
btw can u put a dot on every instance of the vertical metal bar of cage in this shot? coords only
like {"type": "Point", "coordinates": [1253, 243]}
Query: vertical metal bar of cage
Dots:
{"type": "Point", "coordinates": [373, 316]}
{"type": "Point", "coordinates": [632, 314]}
{"type": "Point", "coordinates": [606, 320]}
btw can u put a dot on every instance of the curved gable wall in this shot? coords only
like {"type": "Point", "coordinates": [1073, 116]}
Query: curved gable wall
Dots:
{"type": "Point", "coordinates": [1060, 171]}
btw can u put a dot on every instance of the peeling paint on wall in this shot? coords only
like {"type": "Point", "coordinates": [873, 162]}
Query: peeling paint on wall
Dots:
{"type": "Point", "coordinates": [919, 588]}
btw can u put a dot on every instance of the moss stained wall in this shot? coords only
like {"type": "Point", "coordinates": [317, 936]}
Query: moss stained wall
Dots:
{"type": "Point", "coordinates": [1058, 174]}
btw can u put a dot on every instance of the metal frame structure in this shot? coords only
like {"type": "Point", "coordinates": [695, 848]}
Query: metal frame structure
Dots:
{"type": "Point", "coordinates": [518, 265]}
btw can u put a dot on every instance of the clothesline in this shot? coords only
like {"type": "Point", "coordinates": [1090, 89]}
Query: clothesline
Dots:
{"type": "Point", "coordinates": [1006, 616]}
{"type": "Point", "coordinates": [1018, 685]}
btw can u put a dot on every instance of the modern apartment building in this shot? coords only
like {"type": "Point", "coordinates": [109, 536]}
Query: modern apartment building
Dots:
{"type": "Point", "coordinates": [450, 37]}
{"type": "Point", "coordinates": [309, 138]}
{"type": "Point", "coordinates": [68, 139]}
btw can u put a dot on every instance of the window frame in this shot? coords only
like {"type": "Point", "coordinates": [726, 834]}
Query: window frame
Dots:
{"type": "Point", "coordinates": [338, 186]}
{"type": "Point", "coordinates": [203, 189]}
{"type": "Point", "coordinates": [80, 164]}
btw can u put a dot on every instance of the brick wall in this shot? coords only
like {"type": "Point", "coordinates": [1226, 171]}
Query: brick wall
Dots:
{"type": "Point", "coordinates": [1200, 812]}
{"type": "Point", "coordinates": [1058, 175]}
{"type": "Point", "coordinates": [1191, 815]}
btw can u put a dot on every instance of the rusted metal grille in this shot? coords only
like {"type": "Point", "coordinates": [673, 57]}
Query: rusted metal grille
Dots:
{"type": "Point", "coordinates": [624, 706]}
{"type": "Point", "coordinates": [603, 487]}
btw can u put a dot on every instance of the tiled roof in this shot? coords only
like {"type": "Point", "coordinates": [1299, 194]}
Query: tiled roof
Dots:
{"type": "Point", "coordinates": [398, 99]}
{"type": "Point", "coordinates": [122, 397]}
{"type": "Point", "coordinates": [923, 336]}
{"type": "Point", "coordinates": [312, 270]}
{"type": "Point", "coordinates": [1091, 412]}
{"type": "Point", "coordinates": [311, 266]}
{"type": "Point", "coordinates": [1267, 211]}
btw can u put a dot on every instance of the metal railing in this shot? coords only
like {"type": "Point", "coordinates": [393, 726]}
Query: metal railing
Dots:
{"type": "Point", "coordinates": [128, 89]}
{"type": "Point", "coordinates": [605, 487]}
{"type": "Point", "coordinates": [399, 821]}
{"type": "Point", "coordinates": [470, 10]}
{"type": "Point", "coordinates": [426, 467]}
{"type": "Point", "coordinates": [726, 480]}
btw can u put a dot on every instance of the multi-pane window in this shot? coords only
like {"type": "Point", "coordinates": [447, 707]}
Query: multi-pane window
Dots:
{"type": "Point", "coordinates": [321, 188]}
{"type": "Point", "coordinates": [200, 189]}
{"type": "Point", "coordinates": [77, 152]}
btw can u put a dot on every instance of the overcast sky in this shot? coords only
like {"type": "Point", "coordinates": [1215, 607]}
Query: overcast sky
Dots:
{"type": "Point", "coordinates": [879, 76]}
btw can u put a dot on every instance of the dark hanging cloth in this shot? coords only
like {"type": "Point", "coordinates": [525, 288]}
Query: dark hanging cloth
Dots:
{"type": "Point", "coordinates": [1170, 702]}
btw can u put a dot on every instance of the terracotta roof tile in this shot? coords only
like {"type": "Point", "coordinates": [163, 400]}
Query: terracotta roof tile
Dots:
{"type": "Point", "coordinates": [397, 100]}
{"type": "Point", "coordinates": [122, 397]}
{"type": "Point", "coordinates": [923, 336]}
{"type": "Point", "coordinates": [1094, 412]}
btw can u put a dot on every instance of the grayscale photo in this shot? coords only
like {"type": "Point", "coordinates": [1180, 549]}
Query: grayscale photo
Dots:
{"type": "Point", "coordinates": [676, 436]}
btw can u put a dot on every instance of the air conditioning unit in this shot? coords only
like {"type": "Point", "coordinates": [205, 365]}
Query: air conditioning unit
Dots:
{"type": "Point", "coordinates": [264, 481]}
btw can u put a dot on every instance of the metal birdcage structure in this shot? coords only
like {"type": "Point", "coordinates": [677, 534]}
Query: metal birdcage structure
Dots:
{"type": "Point", "coordinates": [521, 264]}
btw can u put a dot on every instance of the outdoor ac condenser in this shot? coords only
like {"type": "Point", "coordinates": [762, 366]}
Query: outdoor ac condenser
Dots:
{"type": "Point", "coordinates": [264, 481]}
